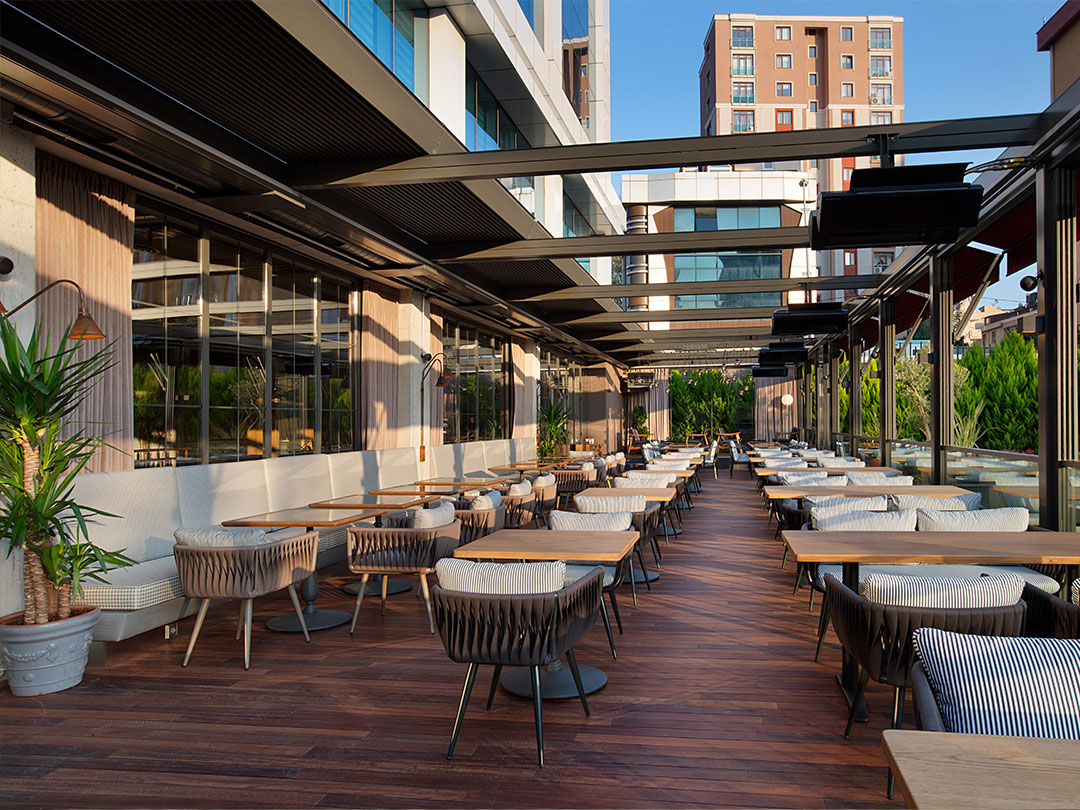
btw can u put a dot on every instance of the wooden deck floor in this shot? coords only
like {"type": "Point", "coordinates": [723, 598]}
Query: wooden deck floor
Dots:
{"type": "Point", "coordinates": [715, 701]}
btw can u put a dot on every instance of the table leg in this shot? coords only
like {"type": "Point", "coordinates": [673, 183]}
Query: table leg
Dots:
{"type": "Point", "coordinates": [849, 675]}
{"type": "Point", "coordinates": [556, 681]}
{"type": "Point", "coordinates": [314, 618]}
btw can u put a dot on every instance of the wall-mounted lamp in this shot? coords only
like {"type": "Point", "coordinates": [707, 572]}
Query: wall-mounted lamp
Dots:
{"type": "Point", "coordinates": [1031, 324]}
{"type": "Point", "coordinates": [444, 379]}
{"type": "Point", "coordinates": [1030, 283]}
{"type": "Point", "coordinates": [787, 400]}
{"type": "Point", "coordinates": [6, 265]}
{"type": "Point", "coordinates": [925, 358]}
{"type": "Point", "coordinates": [84, 327]}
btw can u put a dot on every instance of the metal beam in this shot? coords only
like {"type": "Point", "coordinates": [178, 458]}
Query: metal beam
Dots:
{"type": "Point", "coordinates": [666, 153]}
{"type": "Point", "coordinates": [624, 245]}
{"type": "Point", "coordinates": [704, 288]}
{"type": "Point", "coordinates": [673, 315]}
{"type": "Point", "coordinates": [681, 345]}
{"type": "Point", "coordinates": [671, 335]}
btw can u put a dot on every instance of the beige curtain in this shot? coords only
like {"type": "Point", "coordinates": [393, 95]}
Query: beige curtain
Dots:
{"type": "Point", "coordinates": [434, 405]}
{"type": "Point", "coordinates": [84, 232]}
{"type": "Point", "coordinates": [522, 423]}
{"type": "Point", "coordinates": [379, 367]}
{"type": "Point", "coordinates": [772, 417]}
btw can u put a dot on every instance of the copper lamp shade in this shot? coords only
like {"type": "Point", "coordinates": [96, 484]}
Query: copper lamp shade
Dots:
{"type": "Point", "coordinates": [445, 378]}
{"type": "Point", "coordinates": [85, 328]}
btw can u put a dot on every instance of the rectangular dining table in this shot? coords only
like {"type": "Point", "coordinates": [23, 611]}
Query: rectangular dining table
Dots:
{"type": "Point", "coordinates": [310, 519]}
{"type": "Point", "coordinates": [449, 490]}
{"type": "Point", "coordinates": [763, 472]}
{"type": "Point", "coordinates": [543, 545]}
{"type": "Point", "coordinates": [479, 479]}
{"type": "Point", "coordinates": [851, 549]}
{"type": "Point", "coordinates": [983, 771]}
{"type": "Point", "coordinates": [867, 491]}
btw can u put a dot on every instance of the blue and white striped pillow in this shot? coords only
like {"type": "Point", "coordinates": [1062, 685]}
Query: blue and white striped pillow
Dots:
{"type": "Point", "coordinates": [1019, 687]}
{"type": "Point", "coordinates": [500, 578]}
{"type": "Point", "coordinates": [944, 592]}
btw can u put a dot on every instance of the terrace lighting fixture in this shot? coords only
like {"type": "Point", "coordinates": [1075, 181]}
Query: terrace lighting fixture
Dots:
{"type": "Point", "coordinates": [809, 319]}
{"type": "Point", "coordinates": [780, 353]}
{"type": "Point", "coordinates": [83, 328]}
{"type": "Point", "coordinates": [899, 205]}
{"type": "Point", "coordinates": [444, 379]}
{"type": "Point", "coordinates": [769, 371]}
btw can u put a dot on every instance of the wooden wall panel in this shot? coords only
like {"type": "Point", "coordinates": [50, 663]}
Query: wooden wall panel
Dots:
{"type": "Point", "coordinates": [84, 232]}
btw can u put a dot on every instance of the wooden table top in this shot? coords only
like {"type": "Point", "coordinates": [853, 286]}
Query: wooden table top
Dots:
{"type": "Point", "coordinates": [1021, 491]}
{"type": "Point", "coordinates": [956, 548]}
{"type": "Point", "coordinates": [304, 517]}
{"type": "Point", "coordinates": [524, 466]}
{"type": "Point", "coordinates": [676, 473]}
{"type": "Point", "coordinates": [423, 489]}
{"type": "Point", "coordinates": [656, 494]}
{"type": "Point", "coordinates": [540, 545]}
{"type": "Point", "coordinates": [367, 501]}
{"type": "Point", "coordinates": [477, 480]}
{"type": "Point", "coordinates": [983, 772]}
{"type": "Point", "coordinates": [868, 491]}
{"type": "Point", "coordinates": [762, 472]}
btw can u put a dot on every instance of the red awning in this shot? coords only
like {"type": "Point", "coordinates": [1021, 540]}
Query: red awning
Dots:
{"type": "Point", "coordinates": [968, 270]}
{"type": "Point", "coordinates": [1015, 234]}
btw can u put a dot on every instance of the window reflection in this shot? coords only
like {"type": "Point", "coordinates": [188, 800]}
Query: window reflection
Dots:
{"type": "Point", "coordinates": [475, 404]}
{"type": "Point", "coordinates": [293, 358]}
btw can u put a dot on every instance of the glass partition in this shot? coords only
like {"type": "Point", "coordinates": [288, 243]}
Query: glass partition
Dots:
{"type": "Point", "coordinates": [1072, 520]}
{"type": "Point", "coordinates": [869, 450]}
{"type": "Point", "coordinates": [911, 458]}
{"type": "Point", "coordinates": [1003, 479]}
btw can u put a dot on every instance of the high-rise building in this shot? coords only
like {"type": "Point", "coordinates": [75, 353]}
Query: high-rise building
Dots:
{"type": "Point", "coordinates": [771, 73]}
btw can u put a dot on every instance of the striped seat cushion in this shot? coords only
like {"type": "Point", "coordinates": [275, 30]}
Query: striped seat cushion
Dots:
{"type": "Point", "coordinates": [1041, 581]}
{"type": "Point", "coordinates": [783, 463]}
{"type": "Point", "coordinates": [579, 522]}
{"type": "Point", "coordinates": [941, 592]}
{"type": "Point", "coordinates": [831, 481]}
{"type": "Point", "coordinates": [1019, 687]}
{"type": "Point", "coordinates": [801, 476]}
{"type": "Point", "coordinates": [500, 578]}
{"type": "Point", "coordinates": [136, 587]}
{"type": "Point", "coordinates": [828, 461]}
{"type": "Point", "coordinates": [594, 504]}
{"type": "Point", "coordinates": [838, 519]}
{"type": "Point", "coordinates": [960, 503]}
{"type": "Point", "coordinates": [877, 504]}
{"type": "Point", "coordinates": [220, 537]}
{"type": "Point", "coordinates": [868, 479]}
{"type": "Point", "coordinates": [649, 480]}
{"type": "Point", "coordinates": [1008, 519]}
{"type": "Point", "coordinates": [576, 572]}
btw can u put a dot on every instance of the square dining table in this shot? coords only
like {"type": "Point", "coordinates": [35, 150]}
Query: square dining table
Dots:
{"type": "Point", "coordinates": [543, 545]}
{"type": "Point", "coordinates": [310, 519]}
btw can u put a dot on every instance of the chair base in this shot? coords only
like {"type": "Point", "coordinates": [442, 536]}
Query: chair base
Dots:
{"type": "Point", "coordinates": [316, 620]}
{"type": "Point", "coordinates": [556, 681]}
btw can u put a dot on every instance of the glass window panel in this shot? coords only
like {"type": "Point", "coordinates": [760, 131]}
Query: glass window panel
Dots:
{"type": "Point", "coordinates": [684, 219]}
{"type": "Point", "coordinates": [726, 219]}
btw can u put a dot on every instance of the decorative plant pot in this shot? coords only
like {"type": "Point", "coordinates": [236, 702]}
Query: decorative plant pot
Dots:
{"type": "Point", "coordinates": [45, 658]}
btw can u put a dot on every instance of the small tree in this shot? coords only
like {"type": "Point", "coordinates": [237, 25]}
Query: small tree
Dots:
{"type": "Point", "coordinates": [1010, 389]}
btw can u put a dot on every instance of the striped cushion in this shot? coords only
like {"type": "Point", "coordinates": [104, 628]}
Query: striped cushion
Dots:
{"type": "Point", "coordinates": [520, 488]}
{"type": "Point", "coordinates": [576, 572]}
{"type": "Point", "coordinates": [865, 479]}
{"type": "Point", "coordinates": [1008, 519]}
{"type": "Point", "coordinates": [831, 481]}
{"type": "Point", "coordinates": [784, 463]}
{"type": "Point", "coordinates": [801, 476]}
{"type": "Point", "coordinates": [940, 592]}
{"type": "Point", "coordinates": [838, 519]}
{"type": "Point", "coordinates": [1041, 581]}
{"type": "Point", "coordinates": [1019, 687]}
{"type": "Point", "coordinates": [826, 461]}
{"type": "Point", "coordinates": [960, 503]}
{"type": "Point", "coordinates": [594, 504]}
{"type": "Point", "coordinates": [650, 480]}
{"type": "Point", "coordinates": [545, 480]}
{"type": "Point", "coordinates": [442, 515]}
{"type": "Point", "coordinates": [136, 587]}
{"type": "Point", "coordinates": [220, 537]}
{"type": "Point", "coordinates": [876, 504]}
{"type": "Point", "coordinates": [500, 578]}
{"type": "Point", "coordinates": [668, 465]}
{"type": "Point", "coordinates": [1076, 592]}
{"type": "Point", "coordinates": [653, 482]}
{"type": "Point", "coordinates": [581, 522]}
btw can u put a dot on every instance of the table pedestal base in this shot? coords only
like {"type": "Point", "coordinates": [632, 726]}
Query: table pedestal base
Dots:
{"type": "Point", "coordinates": [314, 618]}
{"type": "Point", "coordinates": [556, 682]}
{"type": "Point", "coordinates": [374, 588]}
{"type": "Point", "coordinates": [639, 577]}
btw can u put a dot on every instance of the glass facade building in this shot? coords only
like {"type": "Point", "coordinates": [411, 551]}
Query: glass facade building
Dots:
{"type": "Point", "coordinates": [387, 28]}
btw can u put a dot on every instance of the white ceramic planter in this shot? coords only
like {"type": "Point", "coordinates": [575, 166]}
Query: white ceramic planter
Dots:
{"type": "Point", "coordinates": [45, 658]}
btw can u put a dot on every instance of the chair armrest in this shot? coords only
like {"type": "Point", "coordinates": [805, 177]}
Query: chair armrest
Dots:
{"type": "Point", "coordinates": [1048, 616]}
{"type": "Point", "coordinates": [372, 549]}
{"type": "Point", "coordinates": [927, 713]}
{"type": "Point", "coordinates": [245, 572]}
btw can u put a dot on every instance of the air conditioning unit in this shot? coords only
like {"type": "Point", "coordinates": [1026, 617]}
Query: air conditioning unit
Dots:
{"type": "Point", "coordinates": [874, 100]}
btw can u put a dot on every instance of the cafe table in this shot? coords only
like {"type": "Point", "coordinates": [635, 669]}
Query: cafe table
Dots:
{"type": "Point", "coordinates": [983, 771]}
{"type": "Point", "coordinates": [390, 503]}
{"type": "Point", "coordinates": [851, 549]}
{"type": "Point", "coordinates": [542, 545]}
{"type": "Point", "coordinates": [864, 491]}
{"type": "Point", "coordinates": [450, 490]}
{"type": "Point", "coordinates": [473, 480]}
{"type": "Point", "coordinates": [309, 519]}
{"type": "Point", "coordinates": [763, 472]}
{"type": "Point", "coordinates": [660, 495]}
{"type": "Point", "coordinates": [522, 467]}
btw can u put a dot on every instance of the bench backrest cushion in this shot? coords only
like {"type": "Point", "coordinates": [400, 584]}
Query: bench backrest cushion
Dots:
{"type": "Point", "coordinates": [147, 508]}
{"type": "Point", "coordinates": [837, 519]}
{"type": "Point", "coordinates": [472, 457]}
{"type": "Point", "coordinates": [860, 478]}
{"type": "Point", "coordinates": [496, 453]}
{"type": "Point", "coordinates": [353, 473]}
{"type": "Point", "coordinates": [876, 504]}
{"type": "Point", "coordinates": [960, 503]}
{"type": "Point", "coordinates": [213, 493]}
{"type": "Point", "coordinates": [293, 481]}
{"type": "Point", "coordinates": [523, 449]}
{"type": "Point", "coordinates": [1019, 687]}
{"type": "Point", "coordinates": [1007, 519]}
{"type": "Point", "coordinates": [999, 590]}
{"type": "Point", "coordinates": [599, 504]}
{"type": "Point", "coordinates": [397, 466]}
{"type": "Point", "coordinates": [500, 579]}
{"type": "Point", "coordinates": [801, 476]}
{"type": "Point", "coordinates": [445, 460]}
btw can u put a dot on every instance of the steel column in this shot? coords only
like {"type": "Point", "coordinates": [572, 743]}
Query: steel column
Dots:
{"type": "Point", "coordinates": [854, 387]}
{"type": "Point", "coordinates": [1055, 233]}
{"type": "Point", "coordinates": [821, 388]}
{"type": "Point", "coordinates": [941, 370]}
{"type": "Point", "coordinates": [886, 379]}
{"type": "Point", "coordinates": [834, 394]}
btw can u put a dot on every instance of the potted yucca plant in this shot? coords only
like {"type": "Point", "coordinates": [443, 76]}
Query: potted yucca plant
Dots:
{"type": "Point", "coordinates": [45, 646]}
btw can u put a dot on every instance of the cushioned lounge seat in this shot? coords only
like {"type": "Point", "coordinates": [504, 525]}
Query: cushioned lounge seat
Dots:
{"type": "Point", "coordinates": [1040, 581]}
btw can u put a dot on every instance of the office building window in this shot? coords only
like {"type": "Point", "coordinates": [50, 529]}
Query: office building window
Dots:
{"type": "Point", "coordinates": [847, 118]}
{"type": "Point", "coordinates": [847, 89]}
{"type": "Point", "coordinates": [882, 259]}
{"type": "Point", "coordinates": [731, 218]}
{"type": "Point", "coordinates": [784, 120]}
{"type": "Point", "coordinates": [475, 402]}
{"type": "Point", "coordinates": [742, 36]}
{"type": "Point", "coordinates": [742, 121]}
{"type": "Point", "coordinates": [528, 7]}
{"type": "Point", "coordinates": [576, 223]}
{"type": "Point", "coordinates": [575, 56]}
{"type": "Point", "coordinates": [880, 38]}
{"type": "Point", "coordinates": [783, 32]}
{"type": "Point", "coordinates": [847, 175]}
{"type": "Point", "coordinates": [386, 27]}
{"type": "Point", "coordinates": [881, 66]}
{"type": "Point", "coordinates": [847, 62]}
{"type": "Point", "coordinates": [813, 106]}
{"type": "Point", "coordinates": [783, 61]}
{"type": "Point", "coordinates": [879, 118]}
{"type": "Point", "coordinates": [811, 51]}
{"type": "Point", "coordinates": [850, 258]}
{"type": "Point", "coordinates": [881, 94]}
{"type": "Point", "coordinates": [742, 93]}
{"type": "Point", "coordinates": [813, 79]}
{"type": "Point", "coordinates": [813, 163]}
{"type": "Point", "coordinates": [783, 88]}
{"type": "Point", "coordinates": [742, 64]}
{"type": "Point", "coordinates": [739, 265]}
{"type": "Point", "coordinates": [847, 33]}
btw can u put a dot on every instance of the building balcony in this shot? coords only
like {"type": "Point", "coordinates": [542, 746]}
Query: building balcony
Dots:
{"type": "Point", "coordinates": [742, 71]}
{"type": "Point", "coordinates": [742, 42]}
{"type": "Point", "coordinates": [881, 45]}
{"type": "Point", "coordinates": [880, 73]}
{"type": "Point", "coordinates": [743, 99]}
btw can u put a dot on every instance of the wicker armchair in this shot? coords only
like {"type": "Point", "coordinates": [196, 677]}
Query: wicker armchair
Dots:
{"type": "Point", "coordinates": [879, 638]}
{"type": "Point", "coordinates": [519, 509]}
{"type": "Point", "coordinates": [1050, 616]}
{"type": "Point", "coordinates": [569, 482]}
{"type": "Point", "coordinates": [531, 630]}
{"type": "Point", "coordinates": [546, 499]}
{"type": "Point", "coordinates": [477, 523]}
{"type": "Point", "coordinates": [385, 551]}
{"type": "Point", "coordinates": [245, 573]}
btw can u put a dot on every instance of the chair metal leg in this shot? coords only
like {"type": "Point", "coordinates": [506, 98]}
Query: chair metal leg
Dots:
{"type": "Point", "coordinates": [205, 606]}
{"type": "Point", "coordinates": [240, 621]}
{"type": "Point", "coordinates": [644, 570]}
{"type": "Point", "coordinates": [299, 611]}
{"type": "Point", "coordinates": [655, 550]}
{"type": "Point", "coordinates": [470, 678]}
{"type": "Point", "coordinates": [615, 607]}
{"type": "Point", "coordinates": [494, 685]}
{"type": "Point", "coordinates": [247, 632]}
{"type": "Point", "coordinates": [427, 601]}
{"type": "Point", "coordinates": [823, 627]}
{"type": "Point", "coordinates": [571, 659]}
{"type": "Point", "coordinates": [864, 678]}
{"type": "Point", "coordinates": [538, 714]}
{"type": "Point", "coordinates": [359, 601]}
{"type": "Point", "coordinates": [607, 627]}
{"type": "Point", "coordinates": [633, 581]}
{"type": "Point", "coordinates": [382, 597]}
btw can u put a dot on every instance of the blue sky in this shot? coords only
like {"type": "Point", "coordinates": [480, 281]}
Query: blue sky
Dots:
{"type": "Point", "coordinates": [961, 59]}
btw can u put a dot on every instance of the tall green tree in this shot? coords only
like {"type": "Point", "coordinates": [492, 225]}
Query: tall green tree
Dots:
{"type": "Point", "coordinates": [1010, 389]}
